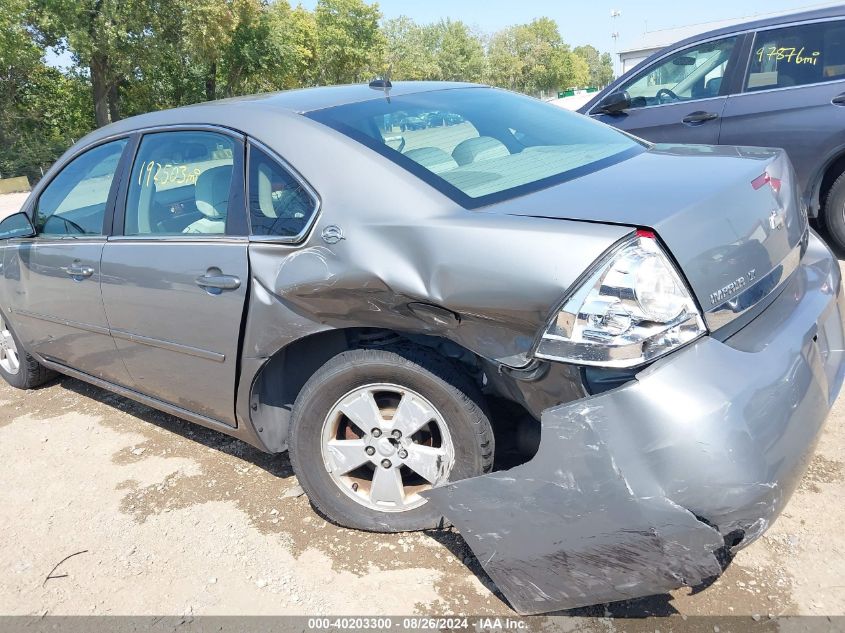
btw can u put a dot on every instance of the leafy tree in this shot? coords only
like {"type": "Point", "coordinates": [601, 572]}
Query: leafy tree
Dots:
{"type": "Point", "coordinates": [293, 39]}
{"type": "Point", "coordinates": [600, 65]}
{"type": "Point", "coordinates": [533, 58]}
{"type": "Point", "coordinates": [133, 56]}
{"type": "Point", "coordinates": [107, 37]}
{"type": "Point", "coordinates": [208, 28]}
{"type": "Point", "coordinates": [409, 55]}
{"type": "Point", "coordinates": [457, 53]}
{"type": "Point", "coordinates": [42, 111]}
{"type": "Point", "coordinates": [350, 45]}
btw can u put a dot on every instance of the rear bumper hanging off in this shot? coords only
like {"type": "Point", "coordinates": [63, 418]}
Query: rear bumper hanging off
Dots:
{"type": "Point", "coordinates": [634, 491]}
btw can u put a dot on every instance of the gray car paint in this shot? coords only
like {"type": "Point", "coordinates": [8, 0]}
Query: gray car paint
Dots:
{"type": "Point", "coordinates": [634, 491]}
{"type": "Point", "coordinates": [64, 320]}
{"type": "Point", "coordinates": [408, 250]}
{"type": "Point", "coordinates": [803, 120]}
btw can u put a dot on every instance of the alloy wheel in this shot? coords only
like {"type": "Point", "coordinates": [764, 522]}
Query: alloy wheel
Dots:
{"type": "Point", "coordinates": [9, 358]}
{"type": "Point", "coordinates": [383, 444]}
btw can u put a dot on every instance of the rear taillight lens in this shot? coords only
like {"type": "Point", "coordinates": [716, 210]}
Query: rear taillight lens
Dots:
{"type": "Point", "coordinates": [633, 308]}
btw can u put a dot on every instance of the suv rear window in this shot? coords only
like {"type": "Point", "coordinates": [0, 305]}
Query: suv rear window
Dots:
{"type": "Point", "coordinates": [481, 145]}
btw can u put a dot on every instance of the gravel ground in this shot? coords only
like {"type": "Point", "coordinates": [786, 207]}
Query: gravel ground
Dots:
{"type": "Point", "coordinates": [167, 517]}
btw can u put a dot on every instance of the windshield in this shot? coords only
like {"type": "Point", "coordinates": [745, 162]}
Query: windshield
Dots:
{"type": "Point", "coordinates": [481, 145]}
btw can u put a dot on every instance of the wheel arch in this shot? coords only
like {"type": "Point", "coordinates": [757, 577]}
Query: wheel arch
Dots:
{"type": "Point", "coordinates": [280, 378]}
{"type": "Point", "coordinates": [823, 179]}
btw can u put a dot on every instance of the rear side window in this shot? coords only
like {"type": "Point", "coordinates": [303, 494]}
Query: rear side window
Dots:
{"type": "Point", "coordinates": [74, 203]}
{"type": "Point", "coordinates": [797, 56]}
{"type": "Point", "coordinates": [481, 145]}
{"type": "Point", "coordinates": [279, 205]}
{"type": "Point", "coordinates": [180, 184]}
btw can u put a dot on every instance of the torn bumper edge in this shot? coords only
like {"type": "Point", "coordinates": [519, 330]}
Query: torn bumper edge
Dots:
{"type": "Point", "coordinates": [632, 492]}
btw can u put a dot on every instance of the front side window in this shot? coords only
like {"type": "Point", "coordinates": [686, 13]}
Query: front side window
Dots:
{"type": "Point", "coordinates": [180, 184]}
{"type": "Point", "coordinates": [481, 145]}
{"type": "Point", "coordinates": [797, 55]}
{"type": "Point", "coordinates": [74, 203]}
{"type": "Point", "coordinates": [693, 73]}
{"type": "Point", "coordinates": [279, 205]}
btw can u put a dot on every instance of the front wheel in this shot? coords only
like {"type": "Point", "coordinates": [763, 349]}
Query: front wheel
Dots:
{"type": "Point", "coordinates": [372, 429]}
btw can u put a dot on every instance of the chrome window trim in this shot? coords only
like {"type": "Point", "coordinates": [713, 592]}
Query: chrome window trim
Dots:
{"type": "Point", "coordinates": [192, 238]}
{"type": "Point", "coordinates": [303, 235]}
{"type": "Point", "coordinates": [782, 88]}
{"type": "Point", "coordinates": [676, 103]}
{"type": "Point", "coordinates": [174, 127]}
{"type": "Point", "coordinates": [31, 203]}
{"type": "Point", "coordinates": [190, 127]}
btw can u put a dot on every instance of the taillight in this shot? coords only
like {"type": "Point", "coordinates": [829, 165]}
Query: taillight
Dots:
{"type": "Point", "coordinates": [766, 179]}
{"type": "Point", "coordinates": [633, 308]}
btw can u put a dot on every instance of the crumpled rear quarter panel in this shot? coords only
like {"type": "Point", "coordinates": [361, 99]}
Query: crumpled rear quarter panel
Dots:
{"type": "Point", "coordinates": [632, 492]}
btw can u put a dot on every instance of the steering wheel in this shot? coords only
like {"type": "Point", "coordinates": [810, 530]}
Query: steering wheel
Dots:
{"type": "Point", "coordinates": [665, 91]}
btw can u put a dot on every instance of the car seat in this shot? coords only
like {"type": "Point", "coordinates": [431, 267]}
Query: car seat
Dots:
{"type": "Point", "coordinates": [432, 158]}
{"type": "Point", "coordinates": [212, 199]}
{"type": "Point", "coordinates": [479, 148]}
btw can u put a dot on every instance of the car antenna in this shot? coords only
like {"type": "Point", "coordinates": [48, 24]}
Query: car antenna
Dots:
{"type": "Point", "coordinates": [383, 83]}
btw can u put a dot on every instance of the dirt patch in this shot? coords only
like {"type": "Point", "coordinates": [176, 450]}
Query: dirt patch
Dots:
{"type": "Point", "coordinates": [11, 203]}
{"type": "Point", "coordinates": [176, 518]}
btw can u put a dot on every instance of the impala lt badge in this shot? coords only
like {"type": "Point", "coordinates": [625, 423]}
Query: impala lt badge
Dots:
{"type": "Point", "coordinates": [732, 288]}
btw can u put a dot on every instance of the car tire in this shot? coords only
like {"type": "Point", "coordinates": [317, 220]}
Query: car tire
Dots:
{"type": "Point", "coordinates": [834, 213]}
{"type": "Point", "coordinates": [19, 368]}
{"type": "Point", "coordinates": [420, 375]}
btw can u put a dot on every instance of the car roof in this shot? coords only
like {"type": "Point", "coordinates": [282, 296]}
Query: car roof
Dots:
{"type": "Point", "coordinates": [783, 18]}
{"type": "Point", "coordinates": [310, 99]}
{"type": "Point", "coordinates": [231, 112]}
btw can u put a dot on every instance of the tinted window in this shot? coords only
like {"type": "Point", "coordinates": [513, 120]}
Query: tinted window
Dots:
{"type": "Point", "coordinates": [480, 145]}
{"type": "Point", "coordinates": [797, 55]}
{"type": "Point", "coordinates": [74, 203]}
{"type": "Point", "coordinates": [693, 73]}
{"type": "Point", "coordinates": [180, 184]}
{"type": "Point", "coordinates": [278, 204]}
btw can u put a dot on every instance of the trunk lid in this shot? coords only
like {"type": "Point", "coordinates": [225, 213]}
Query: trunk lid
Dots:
{"type": "Point", "coordinates": [730, 216]}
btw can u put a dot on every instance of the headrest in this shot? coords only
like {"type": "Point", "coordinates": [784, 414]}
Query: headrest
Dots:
{"type": "Point", "coordinates": [479, 148]}
{"type": "Point", "coordinates": [432, 158]}
{"type": "Point", "coordinates": [212, 191]}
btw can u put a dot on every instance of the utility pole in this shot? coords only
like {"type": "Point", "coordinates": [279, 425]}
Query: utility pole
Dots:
{"type": "Point", "coordinates": [615, 13]}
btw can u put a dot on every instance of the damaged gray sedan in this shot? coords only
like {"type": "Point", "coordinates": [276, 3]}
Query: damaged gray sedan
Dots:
{"type": "Point", "coordinates": [606, 362]}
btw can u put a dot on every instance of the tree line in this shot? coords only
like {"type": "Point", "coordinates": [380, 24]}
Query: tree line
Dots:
{"type": "Point", "coordinates": [134, 56]}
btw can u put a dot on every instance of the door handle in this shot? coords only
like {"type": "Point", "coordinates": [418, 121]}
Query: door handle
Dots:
{"type": "Point", "coordinates": [838, 100]}
{"type": "Point", "coordinates": [218, 282]}
{"type": "Point", "coordinates": [79, 272]}
{"type": "Point", "coordinates": [699, 117]}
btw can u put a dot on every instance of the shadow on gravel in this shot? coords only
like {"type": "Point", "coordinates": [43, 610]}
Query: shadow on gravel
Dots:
{"type": "Point", "coordinates": [274, 464]}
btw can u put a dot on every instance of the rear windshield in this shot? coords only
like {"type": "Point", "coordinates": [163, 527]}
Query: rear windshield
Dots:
{"type": "Point", "coordinates": [481, 145]}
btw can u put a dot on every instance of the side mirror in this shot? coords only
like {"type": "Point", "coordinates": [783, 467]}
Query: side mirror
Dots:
{"type": "Point", "coordinates": [615, 103]}
{"type": "Point", "coordinates": [16, 225]}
